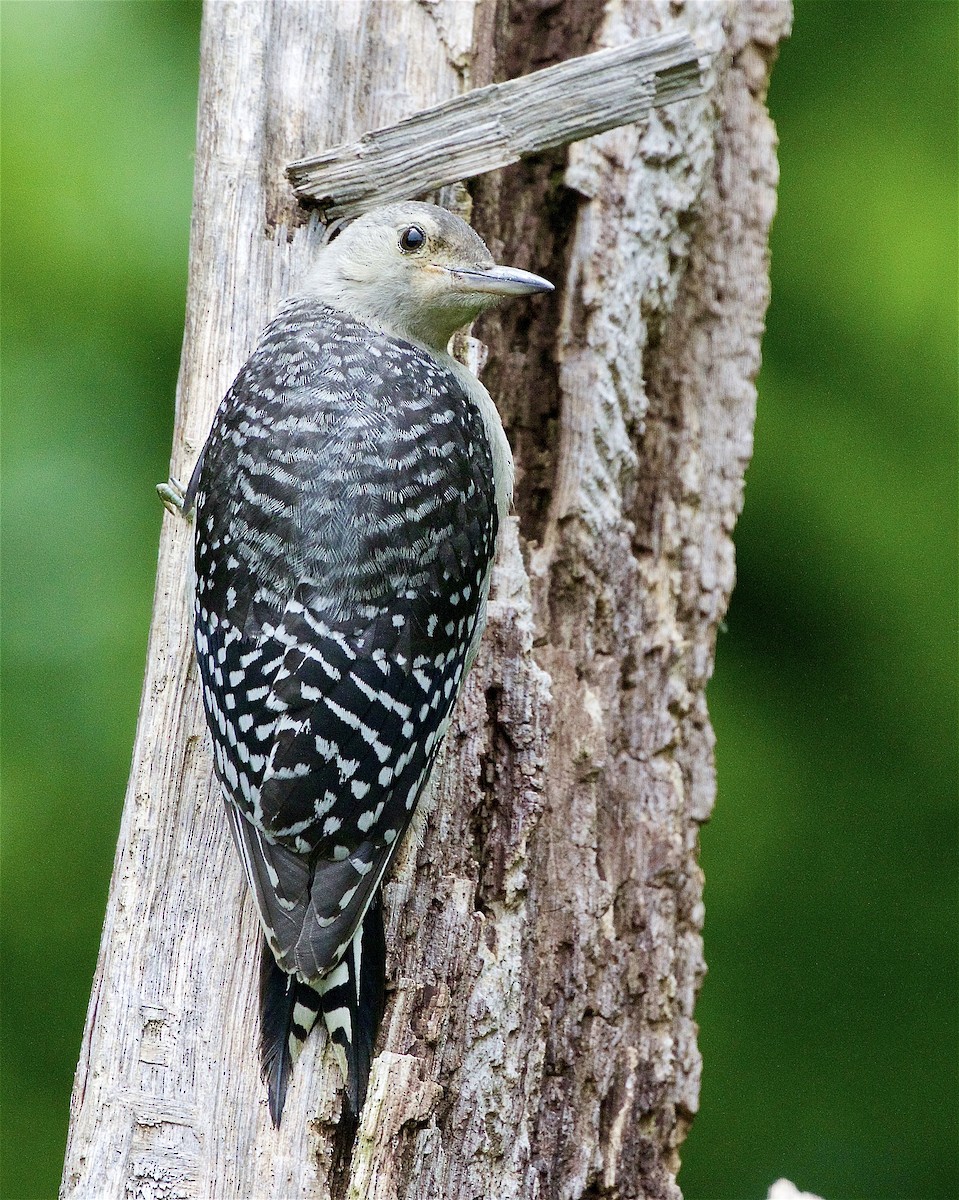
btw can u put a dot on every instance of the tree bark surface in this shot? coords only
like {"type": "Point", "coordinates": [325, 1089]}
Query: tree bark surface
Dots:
{"type": "Point", "coordinates": [544, 933]}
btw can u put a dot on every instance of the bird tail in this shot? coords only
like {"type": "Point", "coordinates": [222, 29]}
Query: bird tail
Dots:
{"type": "Point", "coordinates": [351, 998]}
{"type": "Point", "coordinates": [289, 1008]}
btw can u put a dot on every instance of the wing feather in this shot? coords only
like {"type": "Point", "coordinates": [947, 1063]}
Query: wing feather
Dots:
{"type": "Point", "coordinates": [309, 910]}
{"type": "Point", "coordinates": [344, 540]}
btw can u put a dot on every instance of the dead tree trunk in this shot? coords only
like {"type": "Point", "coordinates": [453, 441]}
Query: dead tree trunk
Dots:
{"type": "Point", "coordinates": [545, 938]}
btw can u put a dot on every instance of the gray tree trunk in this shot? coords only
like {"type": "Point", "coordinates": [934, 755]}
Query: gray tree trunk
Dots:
{"type": "Point", "coordinates": [545, 937]}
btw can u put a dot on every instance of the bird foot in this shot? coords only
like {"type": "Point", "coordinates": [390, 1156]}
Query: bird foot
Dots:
{"type": "Point", "coordinates": [173, 495]}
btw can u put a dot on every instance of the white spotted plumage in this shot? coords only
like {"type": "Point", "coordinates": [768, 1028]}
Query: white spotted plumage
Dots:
{"type": "Point", "coordinates": [347, 506]}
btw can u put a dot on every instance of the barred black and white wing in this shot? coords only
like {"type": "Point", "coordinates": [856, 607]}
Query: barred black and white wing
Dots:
{"type": "Point", "coordinates": [345, 528]}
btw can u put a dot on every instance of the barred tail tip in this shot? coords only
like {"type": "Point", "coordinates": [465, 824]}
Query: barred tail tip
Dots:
{"type": "Point", "coordinates": [289, 1009]}
{"type": "Point", "coordinates": [351, 998]}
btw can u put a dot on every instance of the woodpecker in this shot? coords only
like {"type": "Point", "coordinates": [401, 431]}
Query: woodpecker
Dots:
{"type": "Point", "coordinates": [347, 503]}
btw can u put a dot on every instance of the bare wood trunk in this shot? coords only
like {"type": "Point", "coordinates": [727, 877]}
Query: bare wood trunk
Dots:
{"type": "Point", "coordinates": [539, 1040]}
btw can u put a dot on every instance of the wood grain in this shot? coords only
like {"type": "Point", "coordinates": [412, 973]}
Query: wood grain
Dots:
{"type": "Point", "coordinates": [494, 126]}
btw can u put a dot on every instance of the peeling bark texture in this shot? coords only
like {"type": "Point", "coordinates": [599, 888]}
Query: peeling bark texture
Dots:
{"type": "Point", "coordinates": [545, 936]}
{"type": "Point", "coordinates": [497, 125]}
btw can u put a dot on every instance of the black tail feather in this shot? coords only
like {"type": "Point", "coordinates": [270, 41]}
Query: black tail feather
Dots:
{"type": "Point", "coordinates": [353, 1002]}
{"type": "Point", "coordinates": [288, 1011]}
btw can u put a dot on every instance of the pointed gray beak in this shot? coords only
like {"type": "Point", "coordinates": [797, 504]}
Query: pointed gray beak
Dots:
{"type": "Point", "coordinates": [500, 281]}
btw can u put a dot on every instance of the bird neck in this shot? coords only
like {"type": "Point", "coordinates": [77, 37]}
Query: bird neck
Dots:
{"type": "Point", "coordinates": [386, 302]}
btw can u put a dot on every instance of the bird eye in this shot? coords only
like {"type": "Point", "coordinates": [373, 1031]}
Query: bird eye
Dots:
{"type": "Point", "coordinates": [412, 238]}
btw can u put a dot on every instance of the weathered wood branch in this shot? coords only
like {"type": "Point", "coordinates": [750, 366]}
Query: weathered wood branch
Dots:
{"type": "Point", "coordinates": [545, 938]}
{"type": "Point", "coordinates": [497, 125]}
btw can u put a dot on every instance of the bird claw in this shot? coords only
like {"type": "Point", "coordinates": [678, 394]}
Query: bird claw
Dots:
{"type": "Point", "coordinates": [173, 495]}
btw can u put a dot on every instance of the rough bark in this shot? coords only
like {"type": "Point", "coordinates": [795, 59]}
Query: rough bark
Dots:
{"type": "Point", "coordinates": [545, 937]}
{"type": "Point", "coordinates": [495, 126]}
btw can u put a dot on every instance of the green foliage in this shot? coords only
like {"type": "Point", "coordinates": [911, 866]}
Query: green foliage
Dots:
{"type": "Point", "coordinates": [829, 1016]}
{"type": "Point", "coordinates": [99, 103]}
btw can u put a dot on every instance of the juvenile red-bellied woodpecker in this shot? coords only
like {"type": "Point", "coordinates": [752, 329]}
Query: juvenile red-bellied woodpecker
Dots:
{"type": "Point", "coordinates": [347, 506]}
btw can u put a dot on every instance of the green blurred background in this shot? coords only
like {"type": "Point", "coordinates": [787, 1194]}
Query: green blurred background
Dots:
{"type": "Point", "coordinates": [829, 1018]}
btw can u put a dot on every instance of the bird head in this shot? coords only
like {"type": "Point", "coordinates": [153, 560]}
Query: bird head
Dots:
{"type": "Point", "coordinates": [416, 271]}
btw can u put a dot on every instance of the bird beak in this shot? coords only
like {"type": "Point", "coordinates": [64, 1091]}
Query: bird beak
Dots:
{"type": "Point", "coordinates": [499, 281]}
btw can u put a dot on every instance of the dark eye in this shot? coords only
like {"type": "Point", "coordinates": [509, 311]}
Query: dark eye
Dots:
{"type": "Point", "coordinates": [412, 238]}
